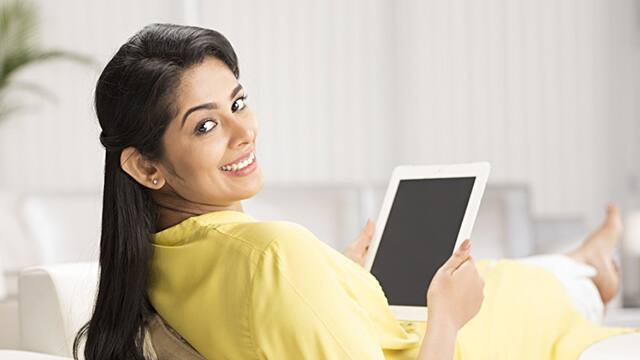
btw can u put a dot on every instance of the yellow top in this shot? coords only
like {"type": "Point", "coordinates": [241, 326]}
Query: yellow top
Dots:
{"type": "Point", "coordinates": [237, 288]}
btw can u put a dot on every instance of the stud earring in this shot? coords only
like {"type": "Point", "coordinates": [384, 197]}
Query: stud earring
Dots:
{"type": "Point", "coordinates": [155, 181]}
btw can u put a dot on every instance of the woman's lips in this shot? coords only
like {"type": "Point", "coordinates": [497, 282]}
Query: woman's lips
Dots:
{"type": "Point", "coordinates": [249, 168]}
{"type": "Point", "coordinates": [241, 164]}
{"type": "Point", "coordinates": [240, 159]}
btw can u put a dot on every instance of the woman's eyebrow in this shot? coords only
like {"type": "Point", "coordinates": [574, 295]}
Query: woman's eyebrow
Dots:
{"type": "Point", "coordinates": [209, 105]}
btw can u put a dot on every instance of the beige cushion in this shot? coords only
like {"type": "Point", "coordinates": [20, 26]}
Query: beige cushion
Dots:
{"type": "Point", "coordinates": [166, 343]}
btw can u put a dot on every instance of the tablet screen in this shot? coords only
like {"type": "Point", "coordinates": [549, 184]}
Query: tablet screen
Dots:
{"type": "Point", "coordinates": [419, 236]}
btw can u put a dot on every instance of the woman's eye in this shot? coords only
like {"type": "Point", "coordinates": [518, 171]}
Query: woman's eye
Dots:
{"type": "Point", "coordinates": [239, 104]}
{"type": "Point", "coordinates": [205, 127]}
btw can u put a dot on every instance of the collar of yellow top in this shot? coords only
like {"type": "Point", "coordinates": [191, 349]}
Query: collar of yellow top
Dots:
{"type": "Point", "coordinates": [182, 232]}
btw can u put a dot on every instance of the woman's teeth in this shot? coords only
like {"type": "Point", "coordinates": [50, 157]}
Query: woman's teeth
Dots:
{"type": "Point", "coordinates": [241, 165]}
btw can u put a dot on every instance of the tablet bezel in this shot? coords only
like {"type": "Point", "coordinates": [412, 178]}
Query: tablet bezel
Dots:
{"type": "Point", "coordinates": [479, 170]}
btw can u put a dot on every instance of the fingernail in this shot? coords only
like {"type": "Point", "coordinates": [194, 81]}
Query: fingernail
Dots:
{"type": "Point", "coordinates": [466, 244]}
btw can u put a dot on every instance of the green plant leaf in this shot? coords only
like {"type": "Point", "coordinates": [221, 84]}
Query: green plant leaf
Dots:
{"type": "Point", "coordinates": [18, 49]}
{"type": "Point", "coordinates": [20, 59]}
{"type": "Point", "coordinates": [34, 89]}
{"type": "Point", "coordinates": [18, 25]}
{"type": "Point", "coordinates": [6, 110]}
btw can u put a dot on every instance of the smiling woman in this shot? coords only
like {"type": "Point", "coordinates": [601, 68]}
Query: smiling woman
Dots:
{"type": "Point", "coordinates": [175, 244]}
{"type": "Point", "coordinates": [207, 147]}
{"type": "Point", "coordinates": [180, 145]}
{"type": "Point", "coordinates": [179, 141]}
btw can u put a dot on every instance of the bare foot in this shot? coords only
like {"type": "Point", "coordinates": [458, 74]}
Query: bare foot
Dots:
{"type": "Point", "coordinates": [597, 251]}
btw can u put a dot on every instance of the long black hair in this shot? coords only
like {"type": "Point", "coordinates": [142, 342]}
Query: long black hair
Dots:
{"type": "Point", "coordinates": [135, 101]}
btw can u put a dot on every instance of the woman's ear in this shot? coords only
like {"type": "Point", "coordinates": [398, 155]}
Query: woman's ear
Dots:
{"type": "Point", "coordinates": [141, 169]}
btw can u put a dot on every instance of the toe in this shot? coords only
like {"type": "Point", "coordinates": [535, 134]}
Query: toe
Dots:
{"type": "Point", "coordinates": [613, 220]}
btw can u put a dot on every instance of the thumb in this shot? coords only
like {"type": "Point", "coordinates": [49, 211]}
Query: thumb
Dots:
{"type": "Point", "coordinates": [459, 257]}
{"type": "Point", "coordinates": [369, 227]}
{"type": "Point", "coordinates": [364, 238]}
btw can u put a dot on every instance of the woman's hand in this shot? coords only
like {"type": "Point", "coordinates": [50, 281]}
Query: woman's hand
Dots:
{"type": "Point", "coordinates": [454, 297]}
{"type": "Point", "coordinates": [359, 247]}
{"type": "Point", "coordinates": [456, 291]}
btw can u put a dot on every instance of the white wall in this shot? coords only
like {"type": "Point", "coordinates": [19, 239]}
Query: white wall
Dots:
{"type": "Point", "coordinates": [624, 96]}
{"type": "Point", "coordinates": [343, 90]}
{"type": "Point", "coordinates": [530, 85]}
{"type": "Point", "coordinates": [318, 74]}
{"type": "Point", "coordinates": [55, 146]}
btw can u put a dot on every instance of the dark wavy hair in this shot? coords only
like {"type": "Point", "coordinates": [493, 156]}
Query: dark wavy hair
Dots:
{"type": "Point", "coordinates": [135, 101]}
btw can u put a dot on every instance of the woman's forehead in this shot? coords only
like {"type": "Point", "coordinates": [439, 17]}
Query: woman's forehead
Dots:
{"type": "Point", "coordinates": [210, 80]}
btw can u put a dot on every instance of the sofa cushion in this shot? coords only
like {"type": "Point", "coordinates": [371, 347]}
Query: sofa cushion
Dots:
{"type": "Point", "coordinates": [166, 343]}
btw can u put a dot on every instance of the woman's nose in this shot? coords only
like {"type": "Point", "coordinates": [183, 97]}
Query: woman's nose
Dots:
{"type": "Point", "coordinates": [242, 132]}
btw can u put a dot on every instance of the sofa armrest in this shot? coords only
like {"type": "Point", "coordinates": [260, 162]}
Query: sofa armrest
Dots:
{"type": "Point", "coordinates": [54, 302]}
{"type": "Point", "coordinates": [27, 355]}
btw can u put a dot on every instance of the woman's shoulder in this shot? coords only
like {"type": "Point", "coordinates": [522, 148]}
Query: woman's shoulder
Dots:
{"type": "Point", "coordinates": [255, 239]}
{"type": "Point", "coordinates": [269, 236]}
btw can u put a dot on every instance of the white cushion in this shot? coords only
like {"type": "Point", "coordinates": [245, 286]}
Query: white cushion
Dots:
{"type": "Point", "coordinates": [16, 248]}
{"type": "Point", "coordinates": [55, 301]}
{"type": "Point", "coordinates": [622, 347]}
{"type": "Point", "coordinates": [26, 355]}
{"type": "Point", "coordinates": [63, 227]}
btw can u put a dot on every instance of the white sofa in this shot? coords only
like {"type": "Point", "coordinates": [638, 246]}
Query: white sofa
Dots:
{"type": "Point", "coordinates": [42, 230]}
{"type": "Point", "coordinates": [56, 300]}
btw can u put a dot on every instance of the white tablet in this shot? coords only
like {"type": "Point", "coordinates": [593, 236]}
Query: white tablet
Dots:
{"type": "Point", "coordinates": [427, 212]}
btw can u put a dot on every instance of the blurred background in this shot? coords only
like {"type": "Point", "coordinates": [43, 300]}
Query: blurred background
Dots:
{"type": "Point", "coordinates": [344, 90]}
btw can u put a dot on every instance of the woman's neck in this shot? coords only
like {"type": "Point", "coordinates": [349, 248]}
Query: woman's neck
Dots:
{"type": "Point", "coordinates": [171, 212]}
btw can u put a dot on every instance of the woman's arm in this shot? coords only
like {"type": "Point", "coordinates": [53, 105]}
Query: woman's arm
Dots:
{"type": "Point", "coordinates": [298, 308]}
{"type": "Point", "coordinates": [454, 297]}
{"type": "Point", "coordinates": [439, 340]}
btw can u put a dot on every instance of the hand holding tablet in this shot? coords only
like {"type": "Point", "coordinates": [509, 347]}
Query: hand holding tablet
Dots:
{"type": "Point", "coordinates": [456, 291]}
{"type": "Point", "coordinates": [427, 211]}
{"type": "Point", "coordinates": [455, 295]}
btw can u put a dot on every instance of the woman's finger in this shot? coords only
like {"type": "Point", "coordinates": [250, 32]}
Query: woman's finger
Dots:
{"type": "Point", "coordinates": [366, 235]}
{"type": "Point", "coordinates": [369, 227]}
{"type": "Point", "coordinates": [459, 257]}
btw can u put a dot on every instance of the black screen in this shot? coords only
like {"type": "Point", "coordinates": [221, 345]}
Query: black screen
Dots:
{"type": "Point", "coordinates": [419, 236]}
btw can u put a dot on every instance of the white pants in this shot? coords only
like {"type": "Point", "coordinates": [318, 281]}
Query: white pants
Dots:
{"type": "Point", "coordinates": [575, 276]}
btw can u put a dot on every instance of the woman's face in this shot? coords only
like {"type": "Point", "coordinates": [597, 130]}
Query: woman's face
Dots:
{"type": "Point", "coordinates": [213, 133]}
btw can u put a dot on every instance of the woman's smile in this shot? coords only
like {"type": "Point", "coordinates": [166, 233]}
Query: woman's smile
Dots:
{"type": "Point", "coordinates": [242, 166]}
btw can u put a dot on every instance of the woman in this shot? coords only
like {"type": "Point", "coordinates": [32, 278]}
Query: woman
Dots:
{"type": "Point", "coordinates": [180, 156]}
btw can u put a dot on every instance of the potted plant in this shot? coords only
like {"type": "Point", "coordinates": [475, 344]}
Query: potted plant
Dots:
{"type": "Point", "coordinates": [19, 49]}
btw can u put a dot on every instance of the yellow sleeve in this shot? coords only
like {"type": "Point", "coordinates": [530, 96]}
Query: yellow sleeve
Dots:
{"type": "Point", "coordinates": [299, 309]}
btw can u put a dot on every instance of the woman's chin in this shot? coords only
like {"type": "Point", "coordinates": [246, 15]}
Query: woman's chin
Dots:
{"type": "Point", "coordinates": [252, 187]}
